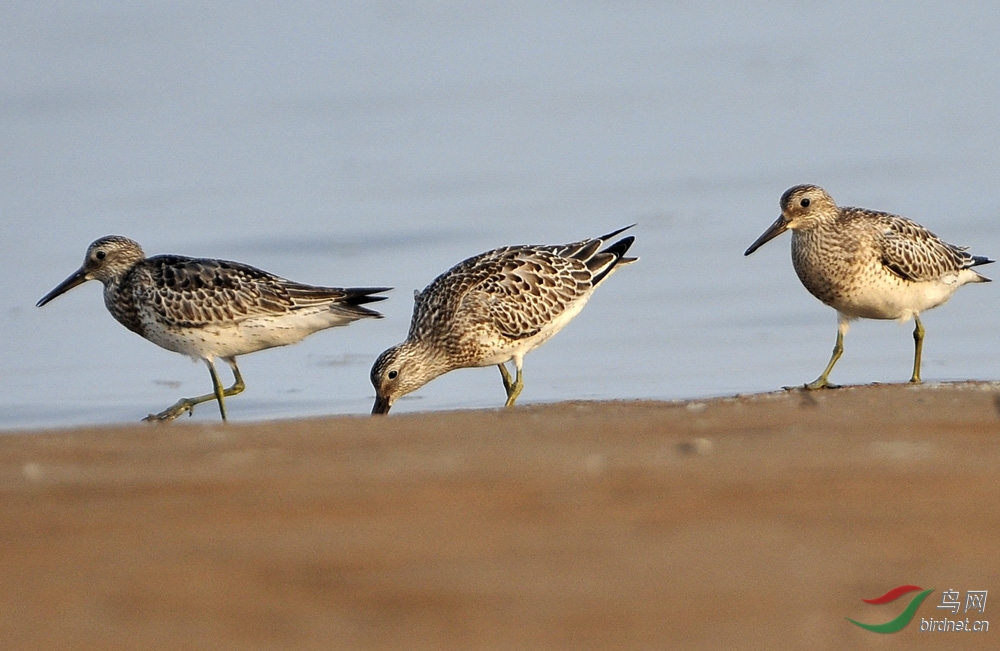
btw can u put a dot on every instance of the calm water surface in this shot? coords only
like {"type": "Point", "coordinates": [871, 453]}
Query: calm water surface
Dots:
{"type": "Point", "coordinates": [371, 143]}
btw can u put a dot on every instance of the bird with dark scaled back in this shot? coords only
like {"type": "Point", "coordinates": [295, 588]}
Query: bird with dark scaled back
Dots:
{"type": "Point", "coordinates": [492, 309]}
{"type": "Point", "coordinates": [207, 308]}
{"type": "Point", "coordinates": [868, 264]}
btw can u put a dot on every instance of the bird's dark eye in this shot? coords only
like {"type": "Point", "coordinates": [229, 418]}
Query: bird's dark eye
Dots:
{"type": "Point", "coordinates": [804, 203]}
{"type": "Point", "coordinates": [100, 255]}
{"type": "Point", "coordinates": [393, 374]}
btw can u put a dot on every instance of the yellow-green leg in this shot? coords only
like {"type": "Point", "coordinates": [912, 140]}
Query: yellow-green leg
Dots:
{"type": "Point", "coordinates": [218, 393]}
{"type": "Point", "coordinates": [918, 343]}
{"type": "Point", "coordinates": [512, 387]}
{"type": "Point", "coordinates": [838, 350]}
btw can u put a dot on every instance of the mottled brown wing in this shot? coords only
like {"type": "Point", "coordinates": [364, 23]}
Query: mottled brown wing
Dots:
{"type": "Point", "coordinates": [193, 291]}
{"type": "Point", "coordinates": [914, 253]}
{"type": "Point", "coordinates": [526, 289]}
{"type": "Point", "coordinates": [516, 289]}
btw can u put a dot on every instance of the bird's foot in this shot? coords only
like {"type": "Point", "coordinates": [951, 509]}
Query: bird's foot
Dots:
{"type": "Point", "coordinates": [167, 415]}
{"type": "Point", "coordinates": [820, 383]}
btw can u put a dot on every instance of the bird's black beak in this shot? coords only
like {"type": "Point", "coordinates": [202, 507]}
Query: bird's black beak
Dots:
{"type": "Point", "coordinates": [779, 226]}
{"type": "Point", "coordinates": [381, 405]}
{"type": "Point", "coordinates": [77, 278]}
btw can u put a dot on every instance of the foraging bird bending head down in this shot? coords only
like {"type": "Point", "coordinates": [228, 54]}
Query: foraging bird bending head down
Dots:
{"type": "Point", "coordinates": [494, 308]}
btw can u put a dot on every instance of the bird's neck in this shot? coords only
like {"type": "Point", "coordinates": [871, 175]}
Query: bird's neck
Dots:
{"type": "Point", "coordinates": [120, 302]}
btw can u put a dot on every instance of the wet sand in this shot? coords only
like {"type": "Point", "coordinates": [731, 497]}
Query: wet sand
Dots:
{"type": "Point", "coordinates": [748, 522]}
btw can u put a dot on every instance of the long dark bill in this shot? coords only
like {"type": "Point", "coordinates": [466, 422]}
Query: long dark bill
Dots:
{"type": "Point", "coordinates": [77, 278]}
{"type": "Point", "coordinates": [776, 229]}
{"type": "Point", "coordinates": [381, 406]}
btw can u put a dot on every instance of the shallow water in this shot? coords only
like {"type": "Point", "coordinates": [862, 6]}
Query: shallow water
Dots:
{"type": "Point", "coordinates": [374, 144]}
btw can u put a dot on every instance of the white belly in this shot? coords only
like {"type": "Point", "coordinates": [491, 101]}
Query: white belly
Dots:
{"type": "Point", "coordinates": [891, 297]}
{"type": "Point", "coordinates": [232, 338]}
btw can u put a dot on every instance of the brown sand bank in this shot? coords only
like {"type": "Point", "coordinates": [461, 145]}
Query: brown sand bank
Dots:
{"type": "Point", "coordinates": [752, 522]}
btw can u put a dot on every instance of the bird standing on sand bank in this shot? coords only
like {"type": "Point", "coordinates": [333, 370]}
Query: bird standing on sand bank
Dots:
{"type": "Point", "coordinates": [207, 308]}
{"type": "Point", "coordinates": [868, 264]}
{"type": "Point", "coordinates": [494, 308]}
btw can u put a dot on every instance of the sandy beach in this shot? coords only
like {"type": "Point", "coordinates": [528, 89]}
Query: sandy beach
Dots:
{"type": "Point", "coordinates": [747, 522]}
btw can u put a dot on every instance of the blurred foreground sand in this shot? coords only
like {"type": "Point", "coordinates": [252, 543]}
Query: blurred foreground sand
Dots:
{"type": "Point", "coordinates": [748, 522]}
